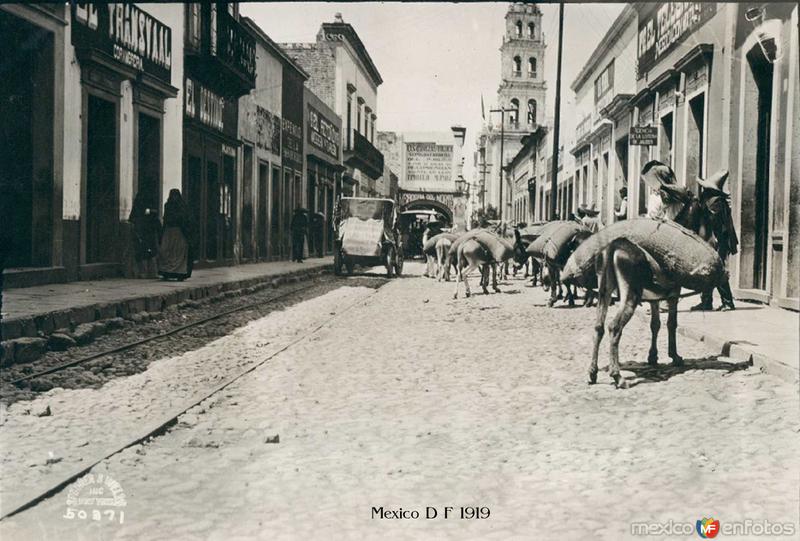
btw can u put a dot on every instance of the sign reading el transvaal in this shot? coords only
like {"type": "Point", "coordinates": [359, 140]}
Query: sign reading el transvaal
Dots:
{"type": "Point", "coordinates": [125, 33]}
{"type": "Point", "coordinates": [429, 162]}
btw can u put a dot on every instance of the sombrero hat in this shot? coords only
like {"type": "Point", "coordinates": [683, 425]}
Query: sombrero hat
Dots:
{"type": "Point", "coordinates": [715, 181]}
{"type": "Point", "coordinates": [657, 174]}
{"type": "Point", "coordinates": [588, 211]}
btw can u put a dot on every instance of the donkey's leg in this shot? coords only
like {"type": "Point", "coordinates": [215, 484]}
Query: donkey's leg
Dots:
{"type": "Point", "coordinates": [672, 326]}
{"type": "Point", "coordinates": [555, 286]}
{"type": "Point", "coordinates": [485, 278]}
{"type": "Point", "coordinates": [459, 262]}
{"type": "Point", "coordinates": [605, 288]}
{"type": "Point", "coordinates": [655, 325]}
{"type": "Point", "coordinates": [494, 276]}
{"type": "Point", "coordinates": [630, 296]}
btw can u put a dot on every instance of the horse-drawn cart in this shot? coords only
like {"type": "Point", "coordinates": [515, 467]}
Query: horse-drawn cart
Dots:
{"type": "Point", "coordinates": [367, 234]}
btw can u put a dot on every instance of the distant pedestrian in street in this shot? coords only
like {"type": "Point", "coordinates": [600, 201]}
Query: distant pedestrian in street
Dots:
{"type": "Point", "coordinates": [317, 236]}
{"type": "Point", "coordinates": [146, 234]}
{"type": "Point", "coordinates": [622, 212]}
{"type": "Point", "coordinates": [176, 252]}
{"type": "Point", "coordinates": [299, 228]}
{"type": "Point", "coordinates": [715, 203]}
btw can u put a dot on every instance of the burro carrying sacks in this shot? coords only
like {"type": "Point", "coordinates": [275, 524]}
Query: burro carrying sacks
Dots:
{"type": "Point", "coordinates": [555, 240]}
{"type": "Point", "coordinates": [499, 248]}
{"type": "Point", "coordinates": [684, 258]}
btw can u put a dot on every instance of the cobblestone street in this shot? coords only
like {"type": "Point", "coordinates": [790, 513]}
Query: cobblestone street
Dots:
{"type": "Point", "coordinates": [410, 399]}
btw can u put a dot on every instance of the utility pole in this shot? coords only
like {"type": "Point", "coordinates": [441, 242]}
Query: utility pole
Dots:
{"type": "Point", "coordinates": [502, 112]}
{"type": "Point", "coordinates": [554, 177]}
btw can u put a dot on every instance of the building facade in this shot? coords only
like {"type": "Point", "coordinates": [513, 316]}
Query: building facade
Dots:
{"type": "Point", "coordinates": [429, 164]}
{"type": "Point", "coordinates": [343, 75]}
{"type": "Point", "coordinates": [220, 67]}
{"type": "Point", "coordinates": [324, 162]}
{"type": "Point", "coordinates": [260, 127]}
{"type": "Point", "coordinates": [603, 90]}
{"type": "Point", "coordinates": [91, 112]}
{"type": "Point", "coordinates": [520, 106]}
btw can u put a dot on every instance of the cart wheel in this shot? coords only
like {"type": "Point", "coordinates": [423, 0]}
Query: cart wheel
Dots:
{"type": "Point", "coordinates": [398, 263]}
{"type": "Point", "coordinates": [337, 263]}
{"type": "Point", "coordinates": [390, 261]}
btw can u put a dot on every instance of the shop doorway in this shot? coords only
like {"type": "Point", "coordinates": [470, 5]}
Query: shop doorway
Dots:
{"type": "Point", "coordinates": [228, 203]}
{"type": "Point", "coordinates": [149, 161]}
{"type": "Point", "coordinates": [101, 209]}
{"type": "Point", "coordinates": [26, 141]}
{"type": "Point", "coordinates": [695, 135]}
{"type": "Point", "coordinates": [247, 202]}
{"type": "Point", "coordinates": [287, 211]}
{"type": "Point", "coordinates": [665, 139]}
{"type": "Point", "coordinates": [756, 161]}
{"type": "Point", "coordinates": [213, 209]}
{"type": "Point", "coordinates": [262, 209]}
{"type": "Point", "coordinates": [275, 214]}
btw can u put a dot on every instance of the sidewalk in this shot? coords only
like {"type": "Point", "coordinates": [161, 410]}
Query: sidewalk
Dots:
{"type": "Point", "coordinates": [767, 336]}
{"type": "Point", "coordinates": [43, 309]}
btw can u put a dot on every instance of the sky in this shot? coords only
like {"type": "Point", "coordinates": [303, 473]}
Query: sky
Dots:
{"type": "Point", "coordinates": [437, 59]}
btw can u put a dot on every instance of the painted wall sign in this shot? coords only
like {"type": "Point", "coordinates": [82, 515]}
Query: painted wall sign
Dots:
{"type": "Point", "coordinates": [429, 162]}
{"type": "Point", "coordinates": [644, 135]}
{"type": "Point", "coordinates": [125, 33]}
{"type": "Point", "coordinates": [292, 145]}
{"type": "Point", "coordinates": [662, 28]}
{"type": "Point", "coordinates": [204, 105]}
{"type": "Point", "coordinates": [268, 130]}
{"type": "Point", "coordinates": [445, 199]}
{"type": "Point", "coordinates": [323, 134]}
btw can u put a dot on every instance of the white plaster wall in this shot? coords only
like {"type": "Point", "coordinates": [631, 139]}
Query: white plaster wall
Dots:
{"type": "Point", "coordinates": [126, 144]}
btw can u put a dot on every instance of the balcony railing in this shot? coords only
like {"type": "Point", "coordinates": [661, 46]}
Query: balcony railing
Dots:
{"type": "Point", "coordinates": [365, 156]}
{"type": "Point", "coordinates": [225, 54]}
{"type": "Point", "coordinates": [516, 73]}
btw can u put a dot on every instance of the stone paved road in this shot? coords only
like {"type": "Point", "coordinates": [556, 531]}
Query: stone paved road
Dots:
{"type": "Point", "coordinates": [416, 400]}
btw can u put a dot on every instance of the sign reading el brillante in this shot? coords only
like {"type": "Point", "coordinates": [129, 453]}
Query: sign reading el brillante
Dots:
{"type": "Point", "coordinates": [125, 33]}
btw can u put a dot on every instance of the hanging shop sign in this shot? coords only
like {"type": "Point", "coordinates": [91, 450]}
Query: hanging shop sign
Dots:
{"type": "Point", "coordinates": [666, 25]}
{"type": "Point", "coordinates": [643, 135]}
{"type": "Point", "coordinates": [125, 33]}
{"type": "Point", "coordinates": [323, 134]}
{"type": "Point", "coordinates": [204, 105]}
{"type": "Point", "coordinates": [292, 145]}
{"type": "Point", "coordinates": [268, 130]}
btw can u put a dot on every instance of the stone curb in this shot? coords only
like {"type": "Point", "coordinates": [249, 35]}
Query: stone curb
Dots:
{"type": "Point", "coordinates": [763, 363]}
{"type": "Point", "coordinates": [42, 325]}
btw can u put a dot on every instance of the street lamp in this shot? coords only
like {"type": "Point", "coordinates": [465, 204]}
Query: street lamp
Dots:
{"type": "Point", "coordinates": [461, 184]}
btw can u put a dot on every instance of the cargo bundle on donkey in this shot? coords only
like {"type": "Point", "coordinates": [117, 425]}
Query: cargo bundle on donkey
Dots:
{"type": "Point", "coordinates": [556, 241]}
{"type": "Point", "coordinates": [642, 259]}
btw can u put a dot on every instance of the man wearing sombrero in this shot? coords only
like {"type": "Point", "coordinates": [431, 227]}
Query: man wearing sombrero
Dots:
{"type": "Point", "coordinates": [590, 217]}
{"type": "Point", "coordinates": [717, 207]}
{"type": "Point", "coordinates": [667, 197]}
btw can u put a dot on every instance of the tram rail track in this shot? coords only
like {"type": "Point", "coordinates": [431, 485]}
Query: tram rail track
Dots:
{"type": "Point", "coordinates": [163, 424]}
{"type": "Point", "coordinates": [159, 336]}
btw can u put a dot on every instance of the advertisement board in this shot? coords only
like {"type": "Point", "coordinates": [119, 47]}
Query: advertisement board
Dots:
{"type": "Point", "coordinates": [429, 162]}
{"type": "Point", "coordinates": [664, 26]}
{"type": "Point", "coordinates": [125, 33]}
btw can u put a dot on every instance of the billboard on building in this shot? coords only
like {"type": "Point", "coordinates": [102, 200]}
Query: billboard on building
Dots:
{"type": "Point", "coordinates": [666, 24]}
{"type": "Point", "coordinates": [429, 162]}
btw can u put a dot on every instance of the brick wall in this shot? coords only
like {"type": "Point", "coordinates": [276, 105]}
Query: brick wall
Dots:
{"type": "Point", "coordinates": [319, 60]}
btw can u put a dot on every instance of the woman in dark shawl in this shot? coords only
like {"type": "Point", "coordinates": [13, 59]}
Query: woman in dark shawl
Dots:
{"type": "Point", "coordinates": [146, 232]}
{"type": "Point", "coordinates": [176, 254]}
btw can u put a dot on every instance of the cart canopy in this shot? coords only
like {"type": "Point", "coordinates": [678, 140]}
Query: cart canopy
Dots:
{"type": "Point", "coordinates": [364, 224]}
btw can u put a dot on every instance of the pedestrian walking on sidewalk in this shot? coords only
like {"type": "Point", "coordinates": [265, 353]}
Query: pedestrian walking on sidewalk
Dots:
{"type": "Point", "coordinates": [146, 233]}
{"type": "Point", "coordinates": [176, 252]}
{"type": "Point", "coordinates": [299, 227]}
{"type": "Point", "coordinates": [715, 202]}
